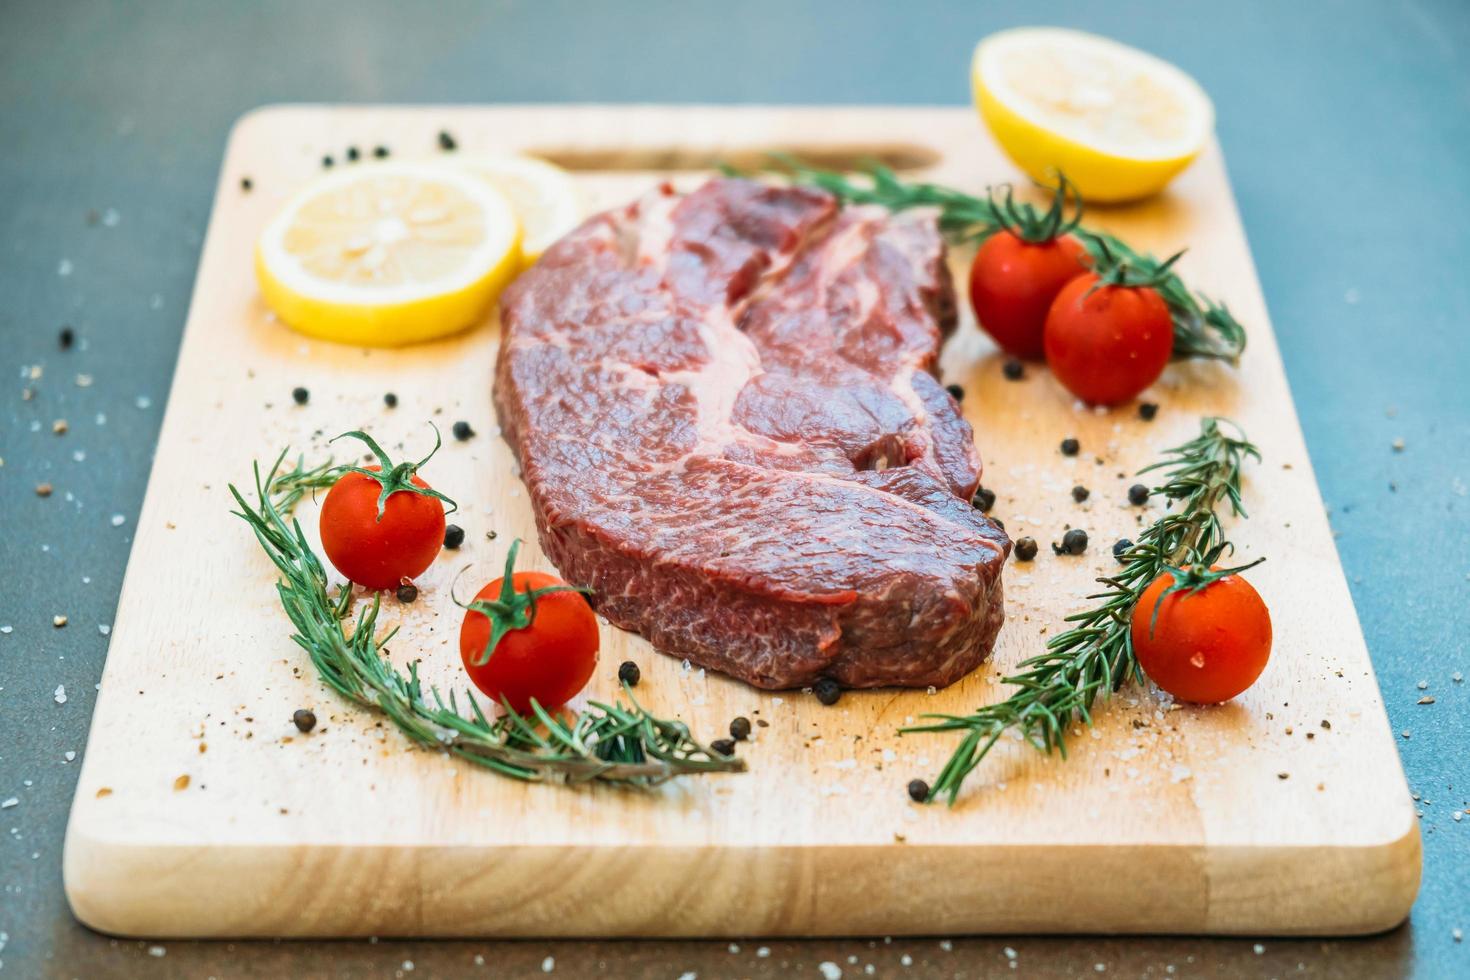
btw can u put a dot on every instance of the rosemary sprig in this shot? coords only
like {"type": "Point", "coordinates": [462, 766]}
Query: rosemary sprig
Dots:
{"type": "Point", "coordinates": [1096, 655]}
{"type": "Point", "coordinates": [1203, 328]}
{"type": "Point", "coordinates": [608, 743]}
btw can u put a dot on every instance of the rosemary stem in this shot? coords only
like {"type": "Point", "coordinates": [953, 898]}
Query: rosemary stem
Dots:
{"type": "Point", "coordinates": [1059, 687]}
{"type": "Point", "coordinates": [605, 743]}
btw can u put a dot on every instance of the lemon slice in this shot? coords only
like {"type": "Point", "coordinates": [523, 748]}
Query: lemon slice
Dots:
{"type": "Point", "coordinates": [545, 197]}
{"type": "Point", "coordinates": [1118, 122]}
{"type": "Point", "coordinates": [388, 254]}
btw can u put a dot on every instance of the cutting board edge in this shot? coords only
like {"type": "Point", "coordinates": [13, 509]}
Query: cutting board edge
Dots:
{"type": "Point", "coordinates": [127, 890]}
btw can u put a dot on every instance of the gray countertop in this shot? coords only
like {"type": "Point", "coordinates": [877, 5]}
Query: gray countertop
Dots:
{"type": "Point", "coordinates": [1347, 130]}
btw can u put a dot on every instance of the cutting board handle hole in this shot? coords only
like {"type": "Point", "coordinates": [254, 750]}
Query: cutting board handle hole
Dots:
{"type": "Point", "coordinates": [896, 156]}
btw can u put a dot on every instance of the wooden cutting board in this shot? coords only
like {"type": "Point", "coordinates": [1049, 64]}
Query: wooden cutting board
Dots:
{"type": "Point", "coordinates": [201, 811]}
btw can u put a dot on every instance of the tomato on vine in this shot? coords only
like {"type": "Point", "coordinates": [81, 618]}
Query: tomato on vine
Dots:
{"type": "Point", "coordinates": [529, 636]}
{"type": "Point", "coordinates": [383, 524]}
{"type": "Point", "coordinates": [1109, 334]}
{"type": "Point", "coordinates": [1203, 636]}
{"type": "Point", "coordinates": [1020, 268]}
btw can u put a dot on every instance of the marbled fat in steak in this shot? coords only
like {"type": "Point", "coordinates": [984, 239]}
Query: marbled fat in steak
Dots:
{"type": "Point", "coordinates": [727, 417]}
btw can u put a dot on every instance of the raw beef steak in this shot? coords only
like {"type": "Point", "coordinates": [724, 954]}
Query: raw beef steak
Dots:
{"type": "Point", "coordinates": [727, 417]}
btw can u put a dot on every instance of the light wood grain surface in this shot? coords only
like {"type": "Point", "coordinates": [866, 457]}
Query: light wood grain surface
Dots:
{"type": "Point", "coordinates": [1284, 812]}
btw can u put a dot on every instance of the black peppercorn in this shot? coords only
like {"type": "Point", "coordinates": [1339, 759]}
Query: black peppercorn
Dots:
{"type": "Point", "coordinates": [629, 674]}
{"type": "Point", "coordinates": [304, 719]}
{"type": "Point", "coordinates": [983, 500]}
{"type": "Point", "coordinates": [327, 161]}
{"type": "Point", "coordinates": [1121, 547]}
{"type": "Point", "coordinates": [1147, 411]}
{"type": "Point", "coordinates": [300, 395]}
{"type": "Point", "coordinates": [740, 728]}
{"type": "Point", "coordinates": [955, 392]}
{"type": "Point", "coordinates": [462, 431]}
{"type": "Point", "coordinates": [918, 791]}
{"type": "Point", "coordinates": [1013, 369]}
{"type": "Point", "coordinates": [827, 691]}
{"type": "Point", "coordinates": [66, 338]}
{"type": "Point", "coordinates": [1138, 494]}
{"type": "Point", "coordinates": [246, 184]}
{"type": "Point", "coordinates": [724, 746]}
{"type": "Point", "coordinates": [1070, 446]}
{"type": "Point", "coordinates": [1026, 549]}
{"type": "Point", "coordinates": [1080, 493]}
{"type": "Point", "coordinates": [453, 536]}
{"type": "Point", "coordinates": [446, 142]}
{"type": "Point", "coordinates": [380, 152]}
{"type": "Point", "coordinates": [352, 154]}
{"type": "Point", "coordinates": [407, 592]}
{"type": "Point", "coordinates": [1074, 542]}
{"type": "Point", "coordinates": [391, 400]}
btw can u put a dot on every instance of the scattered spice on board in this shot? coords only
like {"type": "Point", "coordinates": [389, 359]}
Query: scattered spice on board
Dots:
{"type": "Point", "coordinates": [1074, 542]}
{"type": "Point", "coordinates": [1070, 446]}
{"type": "Point", "coordinates": [629, 674]}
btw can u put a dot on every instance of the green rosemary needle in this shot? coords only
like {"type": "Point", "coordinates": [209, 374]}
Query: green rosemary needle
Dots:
{"type": "Point", "coordinates": [1203, 328]}
{"type": "Point", "coordinates": [607, 743]}
{"type": "Point", "coordinates": [1096, 655]}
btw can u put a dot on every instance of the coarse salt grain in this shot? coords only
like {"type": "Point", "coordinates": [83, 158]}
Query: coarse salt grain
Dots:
{"type": "Point", "coordinates": [60, 695]}
{"type": "Point", "coordinates": [7, 804]}
{"type": "Point", "coordinates": [548, 964]}
{"type": "Point", "coordinates": [118, 520]}
{"type": "Point", "coordinates": [763, 952]}
{"type": "Point", "coordinates": [156, 951]}
{"type": "Point", "coordinates": [830, 970]}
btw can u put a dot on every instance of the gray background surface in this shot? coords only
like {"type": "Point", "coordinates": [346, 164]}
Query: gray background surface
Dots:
{"type": "Point", "coordinates": [1347, 130]}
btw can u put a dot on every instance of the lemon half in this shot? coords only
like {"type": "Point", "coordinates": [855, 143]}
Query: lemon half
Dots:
{"type": "Point", "coordinates": [1118, 122]}
{"type": "Point", "coordinates": [388, 254]}
{"type": "Point", "coordinates": [545, 197]}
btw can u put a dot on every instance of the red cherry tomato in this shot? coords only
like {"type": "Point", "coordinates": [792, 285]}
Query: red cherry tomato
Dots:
{"type": "Point", "coordinates": [1106, 344]}
{"type": "Point", "coordinates": [546, 651]}
{"type": "Point", "coordinates": [378, 553]}
{"type": "Point", "coordinates": [1013, 283]}
{"type": "Point", "coordinates": [379, 548]}
{"type": "Point", "coordinates": [1206, 646]}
